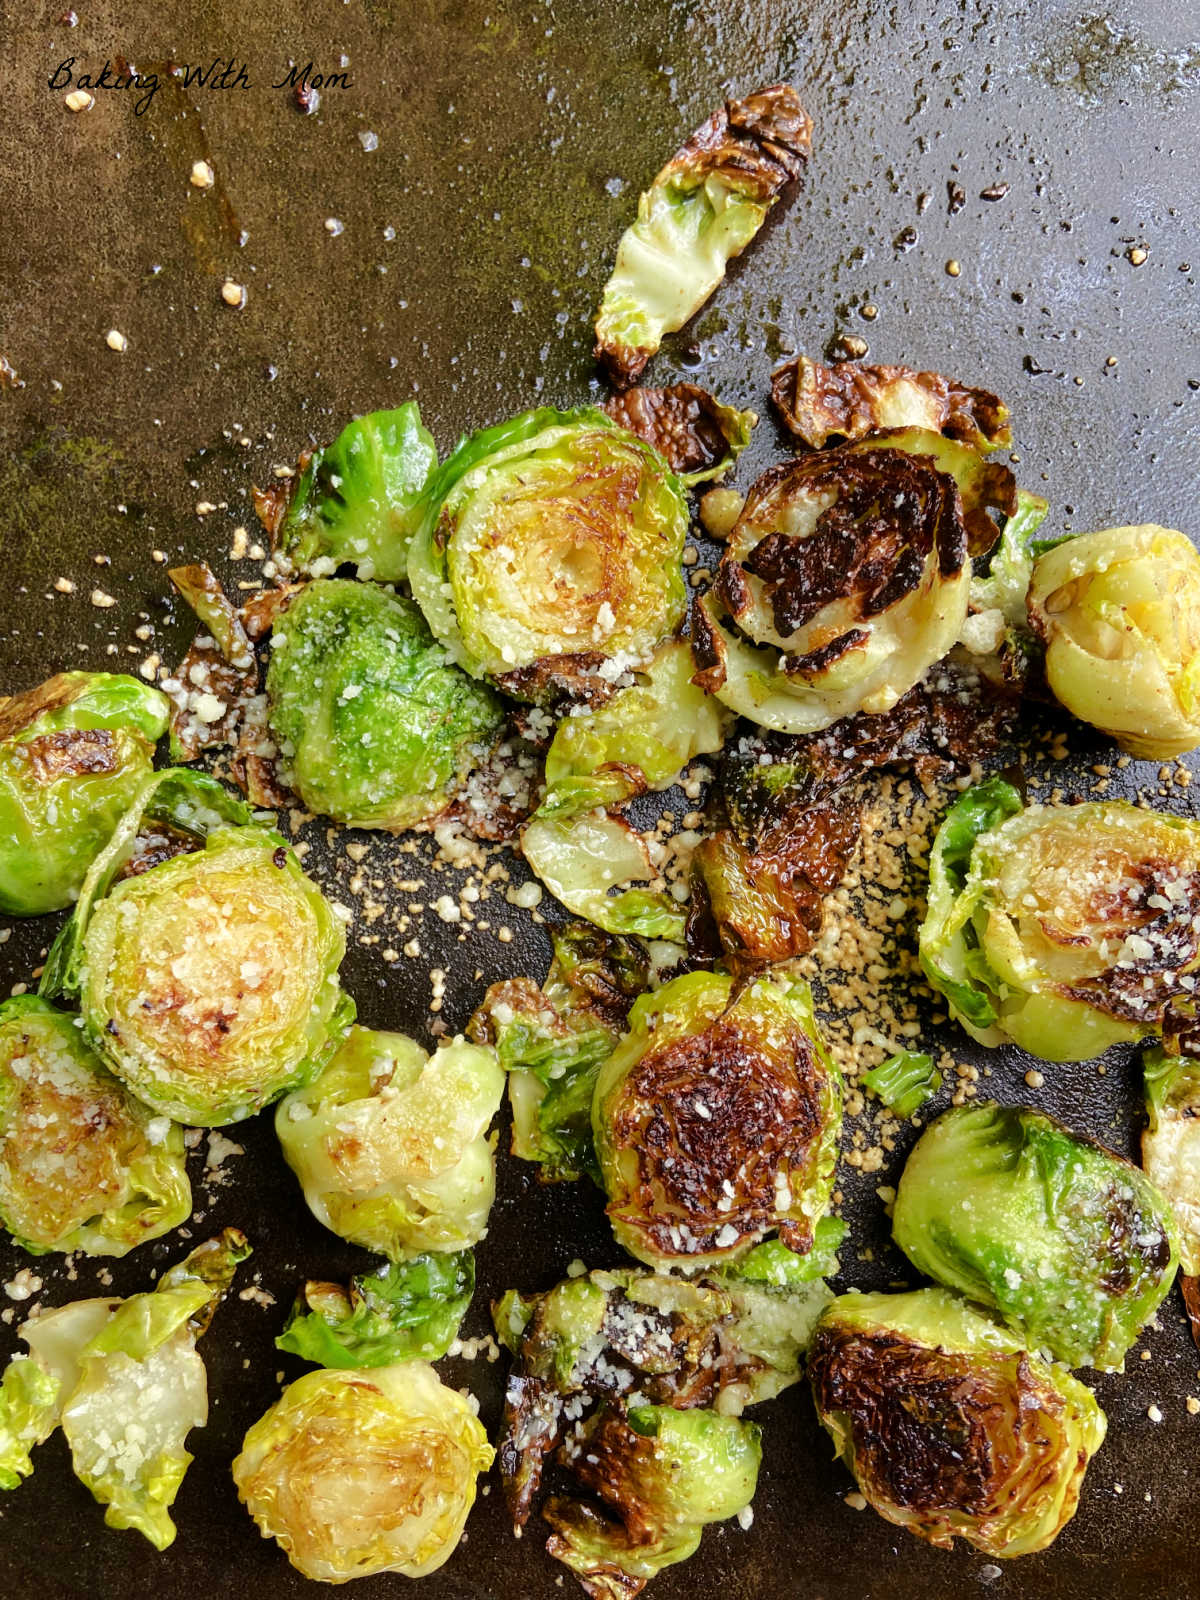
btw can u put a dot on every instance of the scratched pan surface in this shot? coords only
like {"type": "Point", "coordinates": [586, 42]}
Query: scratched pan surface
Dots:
{"type": "Point", "coordinates": [512, 139]}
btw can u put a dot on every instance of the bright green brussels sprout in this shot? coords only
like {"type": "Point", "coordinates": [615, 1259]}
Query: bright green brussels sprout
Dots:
{"type": "Point", "coordinates": [549, 546]}
{"type": "Point", "coordinates": [73, 753]}
{"type": "Point", "coordinates": [83, 1165]}
{"type": "Point", "coordinates": [361, 1472]}
{"type": "Point", "coordinates": [845, 577]}
{"type": "Point", "coordinates": [1072, 1245]}
{"type": "Point", "coordinates": [123, 1380]}
{"type": "Point", "coordinates": [207, 979]}
{"type": "Point", "coordinates": [1063, 928]}
{"type": "Point", "coordinates": [391, 1144]}
{"type": "Point", "coordinates": [551, 1041]}
{"type": "Point", "coordinates": [1119, 614]}
{"type": "Point", "coordinates": [716, 1121]}
{"type": "Point", "coordinates": [850, 400]}
{"type": "Point", "coordinates": [374, 728]}
{"type": "Point", "coordinates": [1171, 1145]}
{"type": "Point", "coordinates": [950, 1427]}
{"type": "Point", "coordinates": [408, 1309]}
{"type": "Point", "coordinates": [703, 208]}
{"type": "Point", "coordinates": [576, 842]}
{"type": "Point", "coordinates": [356, 500]}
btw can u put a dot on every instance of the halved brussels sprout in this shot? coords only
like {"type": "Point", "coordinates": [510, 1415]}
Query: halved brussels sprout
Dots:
{"type": "Point", "coordinates": [551, 1041]}
{"type": "Point", "coordinates": [844, 579]}
{"type": "Point", "coordinates": [697, 436]}
{"type": "Point", "coordinates": [1119, 614]}
{"type": "Point", "coordinates": [849, 401]}
{"type": "Point", "coordinates": [703, 208]}
{"type": "Point", "coordinates": [1072, 1245]}
{"type": "Point", "coordinates": [549, 545]}
{"type": "Point", "coordinates": [1171, 1145]}
{"type": "Point", "coordinates": [356, 500]}
{"type": "Point", "coordinates": [391, 1144]}
{"type": "Point", "coordinates": [374, 728]}
{"type": "Point", "coordinates": [406, 1310]}
{"type": "Point", "coordinates": [1063, 928]}
{"type": "Point", "coordinates": [207, 979]}
{"type": "Point", "coordinates": [950, 1427]}
{"type": "Point", "coordinates": [83, 1165]}
{"type": "Point", "coordinates": [716, 1121]}
{"type": "Point", "coordinates": [73, 753]}
{"type": "Point", "coordinates": [356, 1473]}
{"type": "Point", "coordinates": [123, 1379]}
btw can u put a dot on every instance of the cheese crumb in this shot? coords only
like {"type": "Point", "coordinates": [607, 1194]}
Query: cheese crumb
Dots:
{"type": "Point", "coordinates": [202, 175]}
{"type": "Point", "coordinates": [116, 340]}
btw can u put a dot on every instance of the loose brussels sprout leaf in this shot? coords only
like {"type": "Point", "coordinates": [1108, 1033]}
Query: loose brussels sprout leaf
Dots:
{"type": "Point", "coordinates": [1063, 928]}
{"type": "Point", "coordinates": [199, 587]}
{"type": "Point", "coordinates": [950, 1427]}
{"type": "Point", "coordinates": [1119, 615]}
{"type": "Point", "coordinates": [1171, 1145]}
{"type": "Point", "coordinates": [850, 401]}
{"type": "Point", "coordinates": [1071, 1244]}
{"type": "Point", "coordinates": [996, 633]}
{"type": "Point", "coordinates": [28, 1414]}
{"type": "Point", "coordinates": [716, 1121]}
{"type": "Point", "coordinates": [551, 544]}
{"type": "Point", "coordinates": [73, 754]}
{"type": "Point", "coordinates": [208, 983]}
{"type": "Point", "coordinates": [663, 1476]}
{"type": "Point", "coordinates": [357, 500]}
{"type": "Point", "coordinates": [703, 208]}
{"type": "Point", "coordinates": [83, 1165]}
{"type": "Point", "coordinates": [391, 1145]}
{"type": "Point", "coordinates": [406, 1310]}
{"type": "Point", "coordinates": [904, 1081]}
{"type": "Point", "coordinates": [374, 728]}
{"type": "Point", "coordinates": [357, 1473]}
{"type": "Point", "coordinates": [844, 579]}
{"type": "Point", "coordinates": [697, 436]}
{"type": "Point", "coordinates": [551, 1041]}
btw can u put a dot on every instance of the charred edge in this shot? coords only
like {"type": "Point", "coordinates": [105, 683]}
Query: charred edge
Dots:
{"type": "Point", "coordinates": [71, 753]}
{"type": "Point", "coordinates": [571, 676]}
{"type": "Point", "coordinates": [708, 653]}
{"type": "Point", "coordinates": [847, 401]}
{"type": "Point", "coordinates": [1191, 1301]}
{"type": "Point", "coordinates": [21, 711]}
{"type": "Point", "coordinates": [816, 661]}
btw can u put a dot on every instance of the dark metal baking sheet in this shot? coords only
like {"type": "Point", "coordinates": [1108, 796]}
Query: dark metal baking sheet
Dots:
{"type": "Point", "coordinates": [512, 138]}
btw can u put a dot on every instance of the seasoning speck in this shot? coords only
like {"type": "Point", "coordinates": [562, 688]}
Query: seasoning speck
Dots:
{"type": "Point", "coordinates": [334, 226]}
{"type": "Point", "coordinates": [368, 140]}
{"type": "Point", "coordinates": [101, 599]}
{"type": "Point", "coordinates": [79, 100]}
{"type": "Point", "coordinates": [233, 294]}
{"type": "Point", "coordinates": [202, 175]}
{"type": "Point", "coordinates": [116, 340]}
{"type": "Point", "coordinates": [1137, 254]}
{"type": "Point", "coordinates": [953, 268]}
{"type": "Point", "coordinates": [1154, 1413]}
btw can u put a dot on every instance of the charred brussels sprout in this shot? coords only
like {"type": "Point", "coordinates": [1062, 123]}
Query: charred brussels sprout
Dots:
{"type": "Point", "coordinates": [406, 1310]}
{"type": "Point", "coordinates": [1063, 928]}
{"type": "Point", "coordinates": [849, 401]}
{"type": "Point", "coordinates": [391, 1145]}
{"type": "Point", "coordinates": [1119, 614]}
{"type": "Point", "coordinates": [703, 208]}
{"type": "Point", "coordinates": [207, 974]}
{"type": "Point", "coordinates": [1171, 1145]}
{"type": "Point", "coordinates": [357, 500]}
{"type": "Point", "coordinates": [845, 578]}
{"type": "Point", "coordinates": [123, 1380]}
{"type": "Point", "coordinates": [83, 1166]}
{"type": "Point", "coordinates": [374, 728]}
{"type": "Point", "coordinates": [950, 1427]}
{"type": "Point", "coordinates": [73, 753]}
{"type": "Point", "coordinates": [1071, 1244]}
{"type": "Point", "coordinates": [549, 545]}
{"type": "Point", "coordinates": [356, 1473]}
{"type": "Point", "coordinates": [716, 1121]}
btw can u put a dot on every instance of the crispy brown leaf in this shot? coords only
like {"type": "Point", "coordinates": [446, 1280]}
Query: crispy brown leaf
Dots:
{"type": "Point", "coordinates": [850, 401]}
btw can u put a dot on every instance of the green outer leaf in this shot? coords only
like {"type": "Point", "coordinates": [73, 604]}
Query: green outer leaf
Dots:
{"type": "Point", "coordinates": [772, 1264]}
{"type": "Point", "coordinates": [904, 1081]}
{"type": "Point", "coordinates": [29, 1398]}
{"type": "Point", "coordinates": [405, 1311]}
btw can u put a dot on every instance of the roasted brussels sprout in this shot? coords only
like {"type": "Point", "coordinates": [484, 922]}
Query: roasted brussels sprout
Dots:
{"type": "Point", "coordinates": [73, 754]}
{"type": "Point", "coordinates": [642, 738]}
{"type": "Point", "coordinates": [357, 500]}
{"type": "Point", "coordinates": [549, 549]}
{"type": "Point", "coordinates": [83, 1165]}
{"type": "Point", "coordinates": [697, 436]}
{"type": "Point", "coordinates": [716, 1121]}
{"type": "Point", "coordinates": [844, 579]}
{"type": "Point", "coordinates": [374, 728]}
{"type": "Point", "coordinates": [355, 1473]}
{"type": "Point", "coordinates": [1119, 614]}
{"type": "Point", "coordinates": [124, 1381]}
{"type": "Point", "coordinates": [408, 1309]}
{"type": "Point", "coordinates": [391, 1145]}
{"type": "Point", "coordinates": [1171, 1145]}
{"type": "Point", "coordinates": [948, 1425]}
{"type": "Point", "coordinates": [207, 975]}
{"type": "Point", "coordinates": [1062, 928]}
{"type": "Point", "coordinates": [904, 1082]}
{"type": "Point", "coordinates": [551, 1041]}
{"type": "Point", "coordinates": [703, 208]}
{"type": "Point", "coordinates": [849, 401]}
{"type": "Point", "coordinates": [1072, 1245]}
